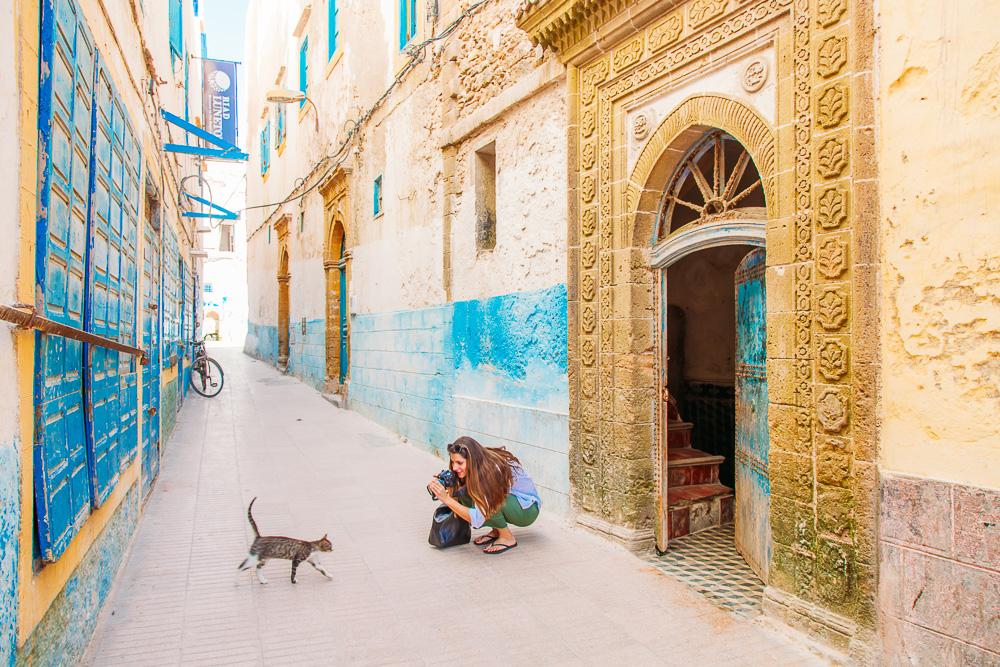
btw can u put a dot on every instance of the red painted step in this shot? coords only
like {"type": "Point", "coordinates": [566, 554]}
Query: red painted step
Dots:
{"type": "Point", "coordinates": [678, 434]}
{"type": "Point", "coordinates": [689, 466]}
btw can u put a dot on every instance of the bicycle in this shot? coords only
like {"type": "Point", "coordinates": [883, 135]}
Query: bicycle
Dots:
{"type": "Point", "coordinates": [206, 373]}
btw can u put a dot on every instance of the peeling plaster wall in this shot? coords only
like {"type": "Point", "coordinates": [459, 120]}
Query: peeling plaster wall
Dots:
{"type": "Point", "coordinates": [940, 172]}
{"type": "Point", "coordinates": [10, 468]}
{"type": "Point", "coordinates": [494, 369]}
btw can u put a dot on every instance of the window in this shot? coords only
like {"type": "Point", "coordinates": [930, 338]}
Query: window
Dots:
{"type": "Point", "coordinates": [279, 127]}
{"type": "Point", "coordinates": [265, 148]}
{"type": "Point", "coordinates": [302, 221]}
{"type": "Point", "coordinates": [377, 196]}
{"type": "Point", "coordinates": [331, 29]}
{"type": "Point", "coordinates": [485, 173]}
{"type": "Point", "coordinates": [304, 69]}
{"type": "Point", "coordinates": [407, 22]}
{"type": "Point", "coordinates": [225, 239]}
{"type": "Point", "coordinates": [176, 28]}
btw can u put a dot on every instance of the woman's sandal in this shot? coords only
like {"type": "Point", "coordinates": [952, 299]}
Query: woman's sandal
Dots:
{"type": "Point", "coordinates": [485, 540]}
{"type": "Point", "coordinates": [501, 548]}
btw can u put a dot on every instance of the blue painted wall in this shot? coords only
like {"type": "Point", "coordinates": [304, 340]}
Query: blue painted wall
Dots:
{"type": "Point", "coordinates": [494, 369]}
{"type": "Point", "coordinates": [402, 372]}
{"type": "Point", "coordinates": [10, 527]}
{"type": "Point", "coordinates": [262, 342]}
{"type": "Point", "coordinates": [62, 636]}
{"type": "Point", "coordinates": [307, 352]}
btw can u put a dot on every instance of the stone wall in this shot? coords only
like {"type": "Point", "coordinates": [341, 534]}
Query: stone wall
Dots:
{"type": "Point", "coordinates": [307, 352]}
{"type": "Point", "coordinates": [64, 632]}
{"type": "Point", "coordinates": [493, 369]}
{"type": "Point", "coordinates": [940, 572]}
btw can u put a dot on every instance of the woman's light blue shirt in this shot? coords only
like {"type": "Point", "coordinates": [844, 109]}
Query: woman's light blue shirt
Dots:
{"type": "Point", "coordinates": [523, 489]}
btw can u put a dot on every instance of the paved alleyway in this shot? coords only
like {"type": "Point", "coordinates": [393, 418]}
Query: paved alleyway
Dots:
{"type": "Point", "coordinates": [563, 597]}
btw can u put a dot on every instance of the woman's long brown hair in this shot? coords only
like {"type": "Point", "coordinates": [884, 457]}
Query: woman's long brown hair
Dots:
{"type": "Point", "coordinates": [488, 476]}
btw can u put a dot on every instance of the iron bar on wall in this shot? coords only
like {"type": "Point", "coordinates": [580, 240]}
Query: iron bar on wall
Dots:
{"type": "Point", "coordinates": [28, 319]}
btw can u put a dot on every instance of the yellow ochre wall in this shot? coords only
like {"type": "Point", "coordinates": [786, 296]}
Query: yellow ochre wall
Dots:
{"type": "Point", "coordinates": [939, 83]}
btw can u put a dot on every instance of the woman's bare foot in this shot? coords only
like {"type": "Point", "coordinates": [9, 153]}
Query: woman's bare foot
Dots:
{"type": "Point", "coordinates": [504, 541]}
{"type": "Point", "coordinates": [487, 538]}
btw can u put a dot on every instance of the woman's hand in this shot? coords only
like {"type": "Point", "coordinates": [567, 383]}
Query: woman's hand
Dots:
{"type": "Point", "coordinates": [439, 491]}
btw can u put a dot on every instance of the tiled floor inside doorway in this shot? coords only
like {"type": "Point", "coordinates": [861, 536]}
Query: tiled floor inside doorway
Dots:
{"type": "Point", "coordinates": [708, 562]}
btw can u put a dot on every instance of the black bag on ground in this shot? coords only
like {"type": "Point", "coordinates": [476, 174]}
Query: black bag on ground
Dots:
{"type": "Point", "coordinates": [448, 530]}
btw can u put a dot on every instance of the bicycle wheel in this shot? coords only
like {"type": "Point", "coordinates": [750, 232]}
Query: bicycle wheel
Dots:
{"type": "Point", "coordinates": [207, 377]}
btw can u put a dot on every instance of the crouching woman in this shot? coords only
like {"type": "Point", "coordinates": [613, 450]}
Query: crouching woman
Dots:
{"type": "Point", "coordinates": [493, 490]}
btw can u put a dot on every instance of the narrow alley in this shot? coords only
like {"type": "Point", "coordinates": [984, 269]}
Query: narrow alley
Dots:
{"type": "Point", "coordinates": [564, 596]}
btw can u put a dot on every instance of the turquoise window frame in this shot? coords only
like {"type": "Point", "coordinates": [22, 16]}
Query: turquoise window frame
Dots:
{"type": "Point", "coordinates": [377, 196]}
{"type": "Point", "coordinates": [265, 148]}
{"type": "Point", "coordinates": [407, 22]}
{"type": "Point", "coordinates": [176, 18]}
{"type": "Point", "coordinates": [304, 69]}
{"type": "Point", "coordinates": [331, 29]}
{"type": "Point", "coordinates": [279, 127]}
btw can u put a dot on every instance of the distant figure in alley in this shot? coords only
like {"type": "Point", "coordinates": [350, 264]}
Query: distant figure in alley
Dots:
{"type": "Point", "coordinates": [493, 490]}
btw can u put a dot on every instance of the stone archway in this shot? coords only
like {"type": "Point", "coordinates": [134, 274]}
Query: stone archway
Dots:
{"type": "Point", "coordinates": [337, 321]}
{"type": "Point", "coordinates": [284, 278]}
{"type": "Point", "coordinates": [336, 268]}
{"type": "Point", "coordinates": [664, 156]}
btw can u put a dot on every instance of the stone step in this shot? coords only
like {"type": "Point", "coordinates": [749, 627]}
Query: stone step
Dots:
{"type": "Point", "coordinates": [689, 467]}
{"type": "Point", "coordinates": [678, 434]}
{"type": "Point", "coordinates": [699, 507]}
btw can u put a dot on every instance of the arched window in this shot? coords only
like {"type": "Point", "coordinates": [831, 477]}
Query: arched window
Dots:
{"type": "Point", "coordinates": [716, 180]}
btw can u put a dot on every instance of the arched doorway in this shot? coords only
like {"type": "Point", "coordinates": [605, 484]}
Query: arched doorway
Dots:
{"type": "Point", "coordinates": [284, 320]}
{"type": "Point", "coordinates": [708, 243]}
{"type": "Point", "coordinates": [337, 321]}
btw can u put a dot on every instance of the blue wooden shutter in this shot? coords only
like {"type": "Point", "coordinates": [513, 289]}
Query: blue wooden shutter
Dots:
{"type": "Point", "coordinates": [176, 19]}
{"type": "Point", "coordinates": [102, 383]}
{"type": "Point", "coordinates": [66, 74]}
{"type": "Point", "coordinates": [151, 342]}
{"type": "Point", "coordinates": [128, 327]}
{"type": "Point", "coordinates": [412, 20]}
{"type": "Point", "coordinates": [331, 28]}
{"type": "Point", "coordinates": [304, 69]}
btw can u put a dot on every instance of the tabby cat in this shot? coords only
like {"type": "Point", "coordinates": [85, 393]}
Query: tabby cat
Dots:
{"type": "Point", "coordinates": [287, 548]}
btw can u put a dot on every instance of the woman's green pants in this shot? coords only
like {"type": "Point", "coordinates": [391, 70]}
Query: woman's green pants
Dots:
{"type": "Point", "coordinates": [510, 512]}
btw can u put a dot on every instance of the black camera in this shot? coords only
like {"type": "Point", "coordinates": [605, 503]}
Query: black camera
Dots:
{"type": "Point", "coordinates": [447, 478]}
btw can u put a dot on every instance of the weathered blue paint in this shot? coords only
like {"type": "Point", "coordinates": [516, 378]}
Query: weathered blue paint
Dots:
{"type": "Point", "coordinates": [307, 352]}
{"type": "Point", "coordinates": [66, 70]}
{"type": "Point", "coordinates": [262, 342]}
{"type": "Point", "coordinates": [151, 372]}
{"type": "Point", "coordinates": [10, 528]}
{"type": "Point", "coordinates": [494, 369]}
{"type": "Point", "coordinates": [109, 307]}
{"type": "Point", "coordinates": [753, 487]}
{"type": "Point", "coordinates": [402, 372]}
{"type": "Point", "coordinates": [61, 637]}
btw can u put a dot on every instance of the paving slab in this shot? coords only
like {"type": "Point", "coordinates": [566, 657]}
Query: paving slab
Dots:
{"type": "Point", "coordinates": [564, 596]}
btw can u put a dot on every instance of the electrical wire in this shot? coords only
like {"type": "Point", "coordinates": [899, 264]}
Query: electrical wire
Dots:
{"type": "Point", "coordinates": [417, 55]}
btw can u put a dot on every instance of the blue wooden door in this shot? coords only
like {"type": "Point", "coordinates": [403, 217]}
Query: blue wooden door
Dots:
{"type": "Point", "coordinates": [342, 268]}
{"type": "Point", "coordinates": [753, 488]}
{"type": "Point", "coordinates": [66, 73]}
{"type": "Point", "coordinates": [107, 291]}
{"type": "Point", "coordinates": [151, 343]}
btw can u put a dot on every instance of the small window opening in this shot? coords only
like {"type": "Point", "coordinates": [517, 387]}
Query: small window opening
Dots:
{"type": "Point", "coordinates": [225, 238]}
{"type": "Point", "coordinates": [377, 196]}
{"type": "Point", "coordinates": [486, 197]}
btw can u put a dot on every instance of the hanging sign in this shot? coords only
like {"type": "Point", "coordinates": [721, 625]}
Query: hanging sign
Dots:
{"type": "Point", "coordinates": [219, 98]}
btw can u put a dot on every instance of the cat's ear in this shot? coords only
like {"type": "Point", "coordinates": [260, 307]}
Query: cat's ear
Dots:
{"type": "Point", "coordinates": [324, 537]}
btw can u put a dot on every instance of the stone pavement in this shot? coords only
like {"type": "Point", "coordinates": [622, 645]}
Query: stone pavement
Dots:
{"type": "Point", "coordinates": [563, 596]}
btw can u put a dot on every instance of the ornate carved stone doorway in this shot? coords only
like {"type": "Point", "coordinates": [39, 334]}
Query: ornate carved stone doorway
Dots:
{"type": "Point", "coordinates": [713, 415]}
{"type": "Point", "coordinates": [336, 267]}
{"type": "Point", "coordinates": [284, 277]}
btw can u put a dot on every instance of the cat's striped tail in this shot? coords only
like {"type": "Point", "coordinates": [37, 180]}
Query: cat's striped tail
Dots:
{"type": "Point", "coordinates": [253, 524]}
